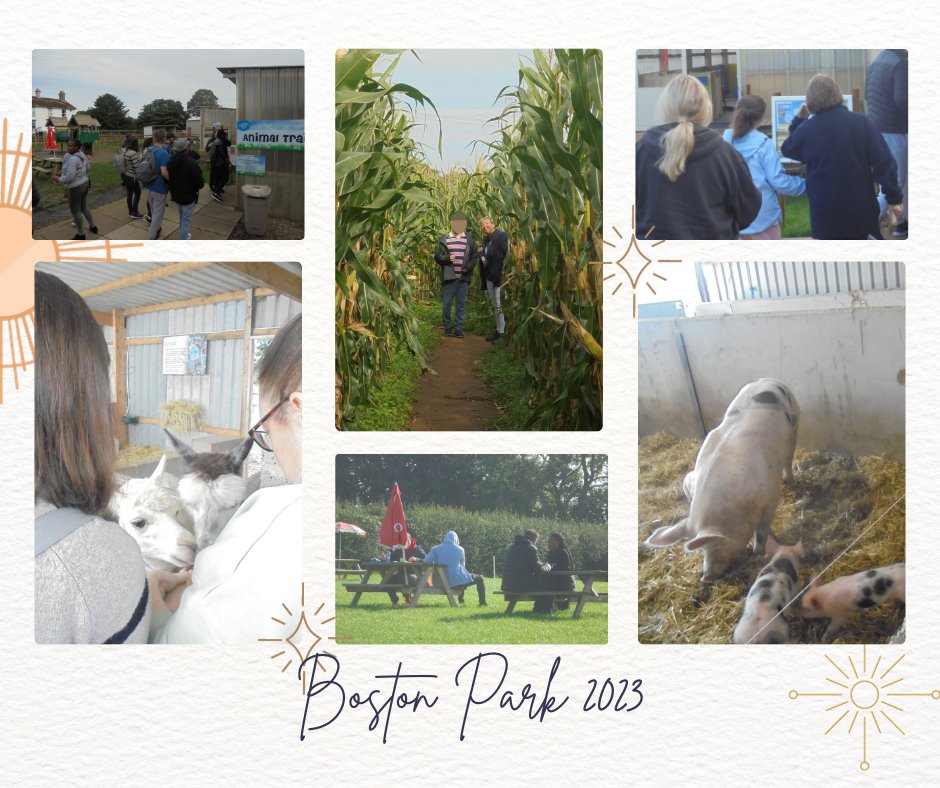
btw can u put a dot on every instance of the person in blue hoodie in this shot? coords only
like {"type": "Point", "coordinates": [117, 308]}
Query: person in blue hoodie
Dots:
{"type": "Point", "coordinates": [767, 172]}
{"type": "Point", "coordinates": [450, 552]}
{"type": "Point", "coordinates": [845, 157]}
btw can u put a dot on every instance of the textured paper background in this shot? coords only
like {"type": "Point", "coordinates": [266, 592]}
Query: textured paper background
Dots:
{"type": "Point", "coordinates": [206, 715]}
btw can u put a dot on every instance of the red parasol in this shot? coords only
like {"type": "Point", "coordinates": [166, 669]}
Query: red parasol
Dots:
{"type": "Point", "coordinates": [394, 531]}
{"type": "Point", "coordinates": [50, 139]}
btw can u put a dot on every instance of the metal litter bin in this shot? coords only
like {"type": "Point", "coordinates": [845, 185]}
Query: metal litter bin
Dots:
{"type": "Point", "coordinates": [257, 202]}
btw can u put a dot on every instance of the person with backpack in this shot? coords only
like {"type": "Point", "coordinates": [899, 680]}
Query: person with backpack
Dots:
{"type": "Point", "coordinates": [125, 162]}
{"type": "Point", "coordinates": [185, 182]}
{"type": "Point", "coordinates": [74, 176]}
{"type": "Point", "coordinates": [219, 165]}
{"type": "Point", "coordinates": [90, 583]}
{"type": "Point", "coordinates": [153, 174]}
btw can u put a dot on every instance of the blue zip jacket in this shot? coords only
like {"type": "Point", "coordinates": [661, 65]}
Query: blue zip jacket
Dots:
{"type": "Point", "coordinates": [451, 553]}
{"type": "Point", "coordinates": [768, 175]}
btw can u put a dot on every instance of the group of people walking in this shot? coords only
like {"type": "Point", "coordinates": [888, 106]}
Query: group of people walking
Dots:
{"type": "Point", "coordinates": [167, 167]}
{"type": "Point", "coordinates": [457, 254]}
{"type": "Point", "coordinates": [694, 183]}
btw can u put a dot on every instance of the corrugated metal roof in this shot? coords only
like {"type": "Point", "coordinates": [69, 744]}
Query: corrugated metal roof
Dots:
{"type": "Point", "coordinates": [202, 279]}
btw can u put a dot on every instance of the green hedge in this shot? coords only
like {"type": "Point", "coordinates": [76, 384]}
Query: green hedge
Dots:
{"type": "Point", "coordinates": [482, 534]}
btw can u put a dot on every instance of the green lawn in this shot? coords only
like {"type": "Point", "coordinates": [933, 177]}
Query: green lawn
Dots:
{"type": "Point", "coordinates": [796, 219]}
{"type": "Point", "coordinates": [374, 620]}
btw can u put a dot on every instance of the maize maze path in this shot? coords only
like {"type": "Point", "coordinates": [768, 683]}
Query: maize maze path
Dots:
{"type": "Point", "coordinates": [457, 397]}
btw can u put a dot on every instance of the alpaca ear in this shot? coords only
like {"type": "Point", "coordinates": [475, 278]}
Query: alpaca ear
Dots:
{"type": "Point", "coordinates": [158, 471]}
{"type": "Point", "coordinates": [239, 453]}
{"type": "Point", "coordinates": [184, 449]}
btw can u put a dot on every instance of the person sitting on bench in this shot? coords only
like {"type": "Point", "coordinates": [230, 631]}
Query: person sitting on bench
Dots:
{"type": "Point", "coordinates": [413, 554]}
{"type": "Point", "coordinates": [450, 552]}
{"type": "Point", "coordinates": [559, 558]}
{"type": "Point", "coordinates": [523, 572]}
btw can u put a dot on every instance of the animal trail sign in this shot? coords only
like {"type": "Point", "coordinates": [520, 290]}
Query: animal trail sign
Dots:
{"type": "Point", "coordinates": [185, 354]}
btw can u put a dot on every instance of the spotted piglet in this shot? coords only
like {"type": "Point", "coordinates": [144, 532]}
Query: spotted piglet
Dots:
{"type": "Point", "coordinates": [844, 595]}
{"type": "Point", "coordinates": [775, 586]}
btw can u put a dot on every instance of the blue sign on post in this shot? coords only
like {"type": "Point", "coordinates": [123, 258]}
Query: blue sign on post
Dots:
{"type": "Point", "coordinates": [270, 134]}
{"type": "Point", "coordinates": [246, 164]}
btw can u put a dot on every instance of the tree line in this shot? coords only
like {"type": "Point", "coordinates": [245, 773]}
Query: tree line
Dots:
{"type": "Point", "coordinates": [112, 113]}
{"type": "Point", "coordinates": [556, 486]}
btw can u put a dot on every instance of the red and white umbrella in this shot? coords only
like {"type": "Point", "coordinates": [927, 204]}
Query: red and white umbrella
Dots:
{"type": "Point", "coordinates": [50, 139]}
{"type": "Point", "coordinates": [347, 528]}
{"type": "Point", "coordinates": [394, 531]}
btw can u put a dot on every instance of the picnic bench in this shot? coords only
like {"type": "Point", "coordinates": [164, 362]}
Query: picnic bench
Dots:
{"type": "Point", "coordinates": [348, 566]}
{"type": "Point", "coordinates": [582, 597]}
{"type": "Point", "coordinates": [393, 576]}
{"type": "Point", "coordinates": [46, 167]}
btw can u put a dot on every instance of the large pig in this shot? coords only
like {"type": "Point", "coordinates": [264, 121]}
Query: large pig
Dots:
{"type": "Point", "coordinates": [775, 586]}
{"type": "Point", "coordinates": [845, 595]}
{"type": "Point", "coordinates": [734, 487]}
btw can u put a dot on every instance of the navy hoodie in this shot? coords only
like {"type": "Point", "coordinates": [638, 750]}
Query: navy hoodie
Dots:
{"type": "Point", "coordinates": [714, 198]}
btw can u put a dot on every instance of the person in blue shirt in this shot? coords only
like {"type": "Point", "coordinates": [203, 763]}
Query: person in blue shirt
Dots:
{"type": "Point", "coordinates": [450, 552]}
{"type": "Point", "coordinates": [760, 155]}
{"type": "Point", "coordinates": [159, 187]}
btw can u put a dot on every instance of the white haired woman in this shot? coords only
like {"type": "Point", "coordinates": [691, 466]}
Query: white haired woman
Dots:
{"type": "Point", "coordinates": [240, 581]}
{"type": "Point", "coordinates": [689, 183]}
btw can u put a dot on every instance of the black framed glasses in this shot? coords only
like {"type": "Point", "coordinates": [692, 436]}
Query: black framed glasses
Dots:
{"type": "Point", "coordinates": [259, 435]}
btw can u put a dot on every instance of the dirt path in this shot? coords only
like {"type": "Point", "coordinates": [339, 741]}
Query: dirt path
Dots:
{"type": "Point", "coordinates": [457, 397]}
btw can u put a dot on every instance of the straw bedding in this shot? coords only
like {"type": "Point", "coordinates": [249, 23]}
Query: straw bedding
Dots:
{"type": "Point", "coordinates": [835, 498]}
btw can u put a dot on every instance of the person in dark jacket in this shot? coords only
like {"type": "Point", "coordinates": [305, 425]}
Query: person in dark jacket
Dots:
{"type": "Point", "coordinates": [185, 182]}
{"type": "Point", "coordinates": [412, 554]}
{"type": "Point", "coordinates": [559, 559]}
{"type": "Point", "coordinates": [492, 258]}
{"type": "Point", "coordinates": [219, 164]}
{"type": "Point", "coordinates": [456, 254]}
{"type": "Point", "coordinates": [845, 157]}
{"type": "Point", "coordinates": [522, 569]}
{"type": "Point", "coordinates": [886, 102]}
{"type": "Point", "coordinates": [689, 183]}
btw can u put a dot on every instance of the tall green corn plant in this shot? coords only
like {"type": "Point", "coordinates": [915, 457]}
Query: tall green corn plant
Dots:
{"type": "Point", "coordinates": [545, 183]}
{"type": "Point", "coordinates": [380, 180]}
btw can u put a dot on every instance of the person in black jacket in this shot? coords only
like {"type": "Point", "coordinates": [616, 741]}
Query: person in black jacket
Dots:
{"type": "Point", "coordinates": [522, 569]}
{"type": "Point", "coordinates": [492, 258]}
{"type": "Point", "coordinates": [689, 182]}
{"type": "Point", "coordinates": [185, 182]}
{"type": "Point", "coordinates": [886, 101]}
{"type": "Point", "coordinates": [845, 157]}
{"type": "Point", "coordinates": [219, 164]}
{"type": "Point", "coordinates": [559, 559]}
{"type": "Point", "coordinates": [456, 254]}
{"type": "Point", "coordinates": [413, 554]}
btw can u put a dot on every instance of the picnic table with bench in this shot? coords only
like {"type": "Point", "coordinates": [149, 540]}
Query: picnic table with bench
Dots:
{"type": "Point", "coordinates": [585, 595]}
{"type": "Point", "coordinates": [348, 566]}
{"type": "Point", "coordinates": [393, 576]}
{"type": "Point", "coordinates": [47, 167]}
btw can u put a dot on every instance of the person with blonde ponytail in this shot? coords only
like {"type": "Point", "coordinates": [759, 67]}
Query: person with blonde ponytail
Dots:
{"type": "Point", "coordinates": [689, 183]}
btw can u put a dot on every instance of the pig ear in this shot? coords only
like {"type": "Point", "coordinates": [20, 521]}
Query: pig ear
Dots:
{"type": "Point", "coordinates": [772, 545]}
{"type": "Point", "coordinates": [702, 540]}
{"type": "Point", "coordinates": [669, 534]}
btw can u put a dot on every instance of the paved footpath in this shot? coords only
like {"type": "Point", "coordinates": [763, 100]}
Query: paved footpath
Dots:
{"type": "Point", "coordinates": [212, 221]}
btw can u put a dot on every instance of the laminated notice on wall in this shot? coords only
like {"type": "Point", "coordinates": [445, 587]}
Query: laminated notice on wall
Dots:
{"type": "Point", "coordinates": [185, 355]}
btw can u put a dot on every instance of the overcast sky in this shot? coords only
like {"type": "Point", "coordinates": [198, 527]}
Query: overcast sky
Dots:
{"type": "Point", "coordinates": [463, 84]}
{"type": "Point", "coordinates": [138, 76]}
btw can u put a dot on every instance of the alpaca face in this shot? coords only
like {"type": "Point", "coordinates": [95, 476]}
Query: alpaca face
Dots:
{"type": "Point", "coordinates": [153, 513]}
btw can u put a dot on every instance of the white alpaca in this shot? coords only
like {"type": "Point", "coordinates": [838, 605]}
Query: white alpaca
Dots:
{"type": "Point", "coordinates": [212, 489]}
{"type": "Point", "coordinates": [152, 511]}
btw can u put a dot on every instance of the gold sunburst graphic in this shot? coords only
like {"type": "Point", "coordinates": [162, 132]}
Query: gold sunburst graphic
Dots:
{"type": "Point", "coordinates": [19, 254]}
{"type": "Point", "coordinates": [866, 701]}
{"type": "Point", "coordinates": [300, 638]}
{"type": "Point", "coordinates": [635, 258]}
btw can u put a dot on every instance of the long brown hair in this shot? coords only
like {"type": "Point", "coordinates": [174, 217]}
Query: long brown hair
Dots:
{"type": "Point", "coordinates": [279, 372]}
{"type": "Point", "coordinates": [748, 114]}
{"type": "Point", "coordinates": [74, 428]}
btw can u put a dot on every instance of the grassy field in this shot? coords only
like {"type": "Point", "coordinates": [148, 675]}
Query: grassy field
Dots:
{"type": "Point", "coordinates": [796, 221]}
{"type": "Point", "coordinates": [374, 620]}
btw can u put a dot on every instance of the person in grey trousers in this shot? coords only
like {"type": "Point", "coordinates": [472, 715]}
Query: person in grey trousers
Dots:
{"type": "Point", "coordinates": [74, 177]}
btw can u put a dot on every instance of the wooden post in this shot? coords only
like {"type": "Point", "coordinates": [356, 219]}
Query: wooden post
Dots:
{"type": "Point", "coordinates": [120, 376]}
{"type": "Point", "coordinates": [247, 358]}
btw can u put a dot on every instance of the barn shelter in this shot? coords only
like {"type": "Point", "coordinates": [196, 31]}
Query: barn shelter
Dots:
{"type": "Point", "coordinates": [269, 135]}
{"type": "Point", "coordinates": [184, 340]}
